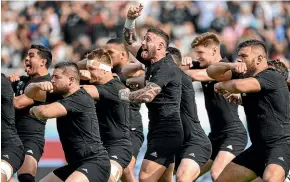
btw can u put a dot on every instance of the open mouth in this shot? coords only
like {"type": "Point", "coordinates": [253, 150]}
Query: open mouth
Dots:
{"type": "Point", "coordinates": [144, 53]}
{"type": "Point", "coordinates": [27, 67]}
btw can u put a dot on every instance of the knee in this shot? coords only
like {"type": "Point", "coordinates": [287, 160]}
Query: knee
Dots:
{"type": "Point", "coordinates": [26, 178]}
{"type": "Point", "coordinates": [214, 174]}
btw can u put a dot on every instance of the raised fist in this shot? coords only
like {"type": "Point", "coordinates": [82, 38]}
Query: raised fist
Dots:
{"type": "Point", "coordinates": [239, 67]}
{"type": "Point", "coordinates": [45, 86]}
{"type": "Point", "coordinates": [13, 78]}
{"type": "Point", "coordinates": [134, 12]}
{"type": "Point", "coordinates": [186, 61]}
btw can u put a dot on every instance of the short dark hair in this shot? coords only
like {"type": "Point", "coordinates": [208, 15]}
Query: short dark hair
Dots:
{"type": "Point", "coordinates": [44, 53]}
{"type": "Point", "coordinates": [176, 54]}
{"type": "Point", "coordinates": [120, 42]}
{"type": "Point", "coordinates": [161, 33]}
{"type": "Point", "coordinates": [69, 68]}
{"type": "Point", "coordinates": [253, 43]}
{"type": "Point", "coordinates": [280, 67]}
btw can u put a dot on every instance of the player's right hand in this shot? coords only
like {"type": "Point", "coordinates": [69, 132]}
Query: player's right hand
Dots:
{"type": "Point", "coordinates": [233, 98]}
{"type": "Point", "coordinates": [13, 78]}
{"type": "Point", "coordinates": [85, 75]}
{"type": "Point", "coordinates": [239, 67]}
{"type": "Point", "coordinates": [134, 12]}
{"type": "Point", "coordinates": [45, 86]}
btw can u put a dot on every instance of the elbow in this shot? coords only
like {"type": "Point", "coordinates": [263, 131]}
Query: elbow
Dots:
{"type": "Point", "coordinates": [17, 104]}
{"type": "Point", "coordinates": [237, 88]}
{"type": "Point", "coordinates": [41, 113]}
{"type": "Point", "coordinates": [211, 73]}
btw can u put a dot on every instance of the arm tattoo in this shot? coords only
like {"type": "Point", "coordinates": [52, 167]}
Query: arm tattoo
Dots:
{"type": "Point", "coordinates": [147, 94]}
{"type": "Point", "coordinates": [129, 35]}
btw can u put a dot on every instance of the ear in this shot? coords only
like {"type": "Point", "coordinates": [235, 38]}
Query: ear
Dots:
{"type": "Point", "coordinates": [259, 59]}
{"type": "Point", "coordinates": [43, 62]}
{"type": "Point", "coordinates": [71, 80]}
{"type": "Point", "coordinates": [160, 46]}
{"type": "Point", "coordinates": [214, 51]}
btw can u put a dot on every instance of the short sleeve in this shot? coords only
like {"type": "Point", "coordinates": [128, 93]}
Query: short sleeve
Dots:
{"type": "Point", "coordinates": [110, 91]}
{"type": "Point", "coordinates": [162, 75]}
{"type": "Point", "coordinates": [73, 104]}
{"type": "Point", "coordinates": [269, 80]}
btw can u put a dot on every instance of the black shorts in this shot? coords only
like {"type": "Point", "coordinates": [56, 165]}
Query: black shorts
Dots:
{"type": "Point", "coordinates": [200, 153]}
{"type": "Point", "coordinates": [95, 170]}
{"type": "Point", "coordinates": [14, 156]}
{"type": "Point", "coordinates": [163, 149]}
{"type": "Point", "coordinates": [33, 147]}
{"type": "Point", "coordinates": [137, 139]}
{"type": "Point", "coordinates": [121, 154]}
{"type": "Point", "coordinates": [258, 158]}
{"type": "Point", "coordinates": [234, 143]}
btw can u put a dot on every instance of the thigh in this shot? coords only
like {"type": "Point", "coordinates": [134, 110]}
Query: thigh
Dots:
{"type": "Point", "coordinates": [137, 140]}
{"type": "Point", "coordinates": [237, 173]}
{"type": "Point", "coordinates": [95, 170]}
{"type": "Point", "coordinates": [157, 156]}
{"type": "Point", "coordinates": [51, 177]}
{"type": "Point", "coordinates": [121, 154]}
{"type": "Point", "coordinates": [251, 159]}
{"type": "Point", "coordinates": [64, 172]}
{"type": "Point", "coordinates": [33, 147]}
{"type": "Point", "coordinates": [278, 158]}
{"type": "Point", "coordinates": [150, 171]}
{"type": "Point", "coordinates": [234, 143]}
{"type": "Point", "coordinates": [198, 153]}
{"type": "Point", "coordinates": [14, 156]}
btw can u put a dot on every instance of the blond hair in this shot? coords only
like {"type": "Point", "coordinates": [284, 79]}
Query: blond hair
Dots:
{"type": "Point", "coordinates": [101, 55]}
{"type": "Point", "coordinates": [205, 40]}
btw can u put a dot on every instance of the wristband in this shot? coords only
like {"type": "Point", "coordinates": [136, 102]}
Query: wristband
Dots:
{"type": "Point", "coordinates": [130, 24]}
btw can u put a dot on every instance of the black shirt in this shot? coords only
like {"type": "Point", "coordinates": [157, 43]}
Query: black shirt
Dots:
{"type": "Point", "coordinates": [27, 125]}
{"type": "Point", "coordinates": [188, 113]}
{"type": "Point", "coordinates": [267, 111]}
{"type": "Point", "coordinates": [223, 116]}
{"type": "Point", "coordinates": [164, 110]}
{"type": "Point", "coordinates": [135, 118]}
{"type": "Point", "coordinates": [113, 114]}
{"type": "Point", "coordinates": [8, 130]}
{"type": "Point", "coordinates": [79, 129]}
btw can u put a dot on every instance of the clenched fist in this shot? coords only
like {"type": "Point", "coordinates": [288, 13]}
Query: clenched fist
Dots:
{"type": "Point", "coordinates": [45, 86]}
{"type": "Point", "coordinates": [239, 67]}
{"type": "Point", "coordinates": [134, 12]}
{"type": "Point", "coordinates": [186, 61]}
{"type": "Point", "coordinates": [13, 78]}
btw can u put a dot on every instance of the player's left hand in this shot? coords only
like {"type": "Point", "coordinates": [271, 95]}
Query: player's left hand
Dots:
{"type": "Point", "coordinates": [233, 98]}
{"type": "Point", "coordinates": [85, 75]}
{"type": "Point", "coordinates": [218, 89]}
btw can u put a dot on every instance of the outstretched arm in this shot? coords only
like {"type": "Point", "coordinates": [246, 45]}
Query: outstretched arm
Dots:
{"type": "Point", "coordinates": [44, 112]}
{"type": "Point", "coordinates": [129, 31]}
{"type": "Point", "coordinates": [238, 86]}
{"type": "Point", "coordinates": [37, 91]}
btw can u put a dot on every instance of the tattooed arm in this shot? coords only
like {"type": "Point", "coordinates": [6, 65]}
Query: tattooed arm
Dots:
{"type": "Point", "coordinates": [129, 31]}
{"type": "Point", "coordinates": [144, 95]}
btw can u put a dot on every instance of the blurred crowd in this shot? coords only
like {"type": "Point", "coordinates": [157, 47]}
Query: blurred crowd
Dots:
{"type": "Point", "coordinates": [71, 29]}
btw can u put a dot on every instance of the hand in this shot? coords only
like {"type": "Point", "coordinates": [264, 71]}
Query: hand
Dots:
{"type": "Point", "coordinates": [186, 61]}
{"type": "Point", "coordinates": [31, 111]}
{"type": "Point", "coordinates": [134, 13]}
{"type": "Point", "coordinates": [233, 98]}
{"type": "Point", "coordinates": [239, 67]}
{"type": "Point", "coordinates": [85, 75]}
{"type": "Point", "coordinates": [45, 86]}
{"type": "Point", "coordinates": [13, 78]}
{"type": "Point", "coordinates": [131, 83]}
{"type": "Point", "coordinates": [218, 89]}
{"type": "Point", "coordinates": [124, 94]}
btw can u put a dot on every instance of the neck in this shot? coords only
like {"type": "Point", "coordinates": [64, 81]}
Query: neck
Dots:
{"type": "Point", "coordinates": [40, 73]}
{"type": "Point", "coordinates": [217, 58]}
{"type": "Point", "coordinates": [108, 77]}
{"type": "Point", "coordinates": [158, 57]}
{"type": "Point", "coordinates": [72, 90]}
{"type": "Point", "coordinates": [122, 64]}
{"type": "Point", "coordinates": [261, 68]}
